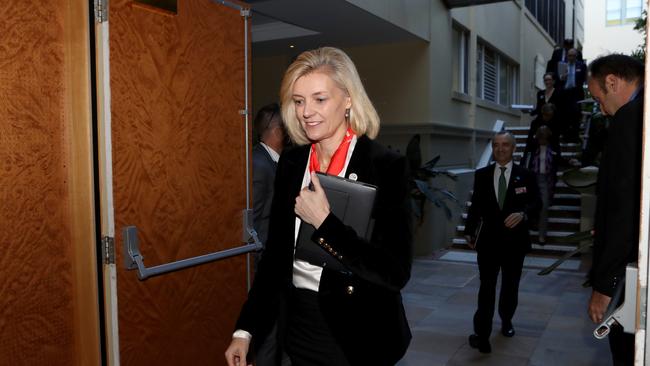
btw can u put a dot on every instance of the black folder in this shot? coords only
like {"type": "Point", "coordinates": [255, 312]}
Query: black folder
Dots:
{"type": "Point", "coordinates": [351, 202]}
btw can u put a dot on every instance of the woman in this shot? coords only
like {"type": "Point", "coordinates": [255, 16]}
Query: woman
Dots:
{"type": "Point", "coordinates": [328, 317]}
{"type": "Point", "coordinates": [544, 164]}
{"type": "Point", "coordinates": [548, 95]}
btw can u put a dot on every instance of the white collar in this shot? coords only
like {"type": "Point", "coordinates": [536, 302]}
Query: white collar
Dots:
{"type": "Point", "coordinates": [274, 155]}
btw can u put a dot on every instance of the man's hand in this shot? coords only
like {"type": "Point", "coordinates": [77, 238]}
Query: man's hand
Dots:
{"type": "Point", "coordinates": [513, 219]}
{"type": "Point", "coordinates": [237, 351]}
{"type": "Point", "coordinates": [597, 306]}
{"type": "Point", "coordinates": [471, 241]}
{"type": "Point", "coordinates": [312, 206]}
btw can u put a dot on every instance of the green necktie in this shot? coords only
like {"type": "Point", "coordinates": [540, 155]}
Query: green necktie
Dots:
{"type": "Point", "coordinates": [502, 187]}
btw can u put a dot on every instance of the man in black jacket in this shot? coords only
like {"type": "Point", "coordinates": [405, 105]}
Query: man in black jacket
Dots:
{"type": "Point", "coordinates": [616, 82]}
{"type": "Point", "coordinates": [505, 197]}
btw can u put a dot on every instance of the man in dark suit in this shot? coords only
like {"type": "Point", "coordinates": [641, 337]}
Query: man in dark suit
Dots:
{"type": "Point", "coordinates": [560, 54]}
{"type": "Point", "coordinates": [616, 83]}
{"type": "Point", "coordinates": [272, 136]}
{"type": "Point", "coordinates": [505, 198]}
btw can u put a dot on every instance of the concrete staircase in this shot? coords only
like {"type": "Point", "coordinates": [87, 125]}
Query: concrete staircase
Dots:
{"type": "Point", "coordinates": [564, 213]}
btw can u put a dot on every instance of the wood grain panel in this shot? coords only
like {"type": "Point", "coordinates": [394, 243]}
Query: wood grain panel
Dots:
{"type": "Point", "coordinates": [177, 84]}
{"type": "Point", "coordinates": [47, 290]}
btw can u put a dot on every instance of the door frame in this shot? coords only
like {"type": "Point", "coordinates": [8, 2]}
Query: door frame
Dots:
{"type": "Point", "coordinates": [642, 341]}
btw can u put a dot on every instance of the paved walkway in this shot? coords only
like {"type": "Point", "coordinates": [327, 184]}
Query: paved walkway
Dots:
{"type": "Point", "coordinates": [551, 322]}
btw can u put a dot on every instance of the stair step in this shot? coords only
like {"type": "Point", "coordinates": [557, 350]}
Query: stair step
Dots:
{"type": "Point", "coordinates": [563, 220]}
{"type": "Point", "coordinates": [564, 208]}
{"type": "Point", "coordinates": [553, 234]}
{"type": "Point", "coordinates": [518, 128]}
{"type": "Point", "coordinates": [554, 247]}
{"type": "Point", "coordinates": [566, 196]}
{"type": "Point", "coordinates": [565, 154]}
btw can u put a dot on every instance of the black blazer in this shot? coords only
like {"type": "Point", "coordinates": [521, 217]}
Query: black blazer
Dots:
{"type": "Point", "coordinates": [555, 98]}
{"type": "Point", "coordinates": [522, 196]}
{"type": "Point", "coordinates": [616, 240]}
{"type": "Point", "coordinates": [363, 308]}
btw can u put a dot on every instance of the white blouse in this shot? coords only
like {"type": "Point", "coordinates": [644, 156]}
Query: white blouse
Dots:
{"type": "Point", "coordinates": [305, 275]}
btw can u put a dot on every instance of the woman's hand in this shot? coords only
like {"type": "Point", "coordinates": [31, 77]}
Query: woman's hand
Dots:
{"type": "Point", "coordinates": [237, 351]}
{"type": "Point", "coordinates": [312, 206]}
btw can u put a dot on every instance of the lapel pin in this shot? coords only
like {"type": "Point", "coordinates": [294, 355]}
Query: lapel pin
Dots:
{"type": "Point", "coordinates": [353, 176]}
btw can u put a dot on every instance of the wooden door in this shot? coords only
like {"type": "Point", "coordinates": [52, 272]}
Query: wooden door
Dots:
{"type": "Point", "coordinates": [178, 141]}
{"type": "Point", "coordinates": [48, 271]}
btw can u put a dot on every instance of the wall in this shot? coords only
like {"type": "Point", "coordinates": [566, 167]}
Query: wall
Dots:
{"type": "Point", "coordinates": [601, 39]}
{"type": "Point", "coordinates": [412, 15]}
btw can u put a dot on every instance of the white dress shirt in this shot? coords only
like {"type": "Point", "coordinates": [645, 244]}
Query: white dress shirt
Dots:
{"type": "Point", "coordinates": [497, 174]}
{"type": "Point", "coordinates": [274, 155]}
{"type": "Point", "coordinates": [306, 275]}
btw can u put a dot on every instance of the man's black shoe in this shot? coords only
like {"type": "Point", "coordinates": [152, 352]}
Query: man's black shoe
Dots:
{"type": "Point", "coordinates": [483, 345]}
{"type": "Point", "coordinates": [508, 331]}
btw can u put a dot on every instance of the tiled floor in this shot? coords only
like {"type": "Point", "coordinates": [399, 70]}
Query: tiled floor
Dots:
{"type": "Point", "coordinates": [551, 320]}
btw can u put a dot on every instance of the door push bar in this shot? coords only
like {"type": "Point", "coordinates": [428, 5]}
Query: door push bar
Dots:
{"type": "Point", "coordinates": [625, 314]}
{"type": "Point", "coordinates": [133, 259]}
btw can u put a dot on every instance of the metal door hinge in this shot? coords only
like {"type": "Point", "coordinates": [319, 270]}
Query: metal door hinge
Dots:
{"type": "Point", "coordinates": [108, 249]}
{"type": "Point", "coordinates": [101, 11]}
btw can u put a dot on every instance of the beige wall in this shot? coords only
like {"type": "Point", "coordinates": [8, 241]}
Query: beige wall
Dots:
{"type": "Point", "coordinates": [412, 15]}
{"type": "Point", "coordinates": [395, 77]}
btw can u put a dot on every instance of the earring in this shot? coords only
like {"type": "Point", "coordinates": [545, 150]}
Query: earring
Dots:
{"type": "Point", "coordinates": [347, 113]}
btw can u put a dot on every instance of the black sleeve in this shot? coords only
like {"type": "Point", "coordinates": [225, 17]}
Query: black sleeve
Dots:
{"type": "Point", "coordinates": [616, 244]}
{"type": "Point", "coordinates": [259, 312]}
{"type": "Point", "coordinates": [385, 260]}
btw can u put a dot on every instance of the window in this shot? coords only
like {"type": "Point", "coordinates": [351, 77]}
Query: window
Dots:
{"type": "Point", "coordinates": [621, 12]}
{"type": "Point", "coordinates": [551, 16]}
{"type": "Point", "coordinates": [496, 76]}
{"type": "Point", "coordinates": [459, 60]}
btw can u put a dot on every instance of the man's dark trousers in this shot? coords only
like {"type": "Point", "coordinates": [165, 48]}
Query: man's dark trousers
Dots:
{"type": "Point", "coordinates": [489, 265]}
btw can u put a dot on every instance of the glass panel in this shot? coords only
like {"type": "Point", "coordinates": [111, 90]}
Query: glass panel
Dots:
{"type": "Point", "coordinates": [465, 60]}
{"type": "Point", "coordinates": [614, 12]}
{"type": "Point", "coordinates": [456, 60]}
{"type": "Point", "coordinates": [489, 75]}
{"type": "Point", "coordinates": [632, 10]}
{"type": "Point", "coordinates": [479, 70]}
{"type": "Point", "coordinates": [503, 82]}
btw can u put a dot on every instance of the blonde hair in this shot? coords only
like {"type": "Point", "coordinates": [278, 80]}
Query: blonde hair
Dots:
{"type": "Point", "coordinates": [333, 62]}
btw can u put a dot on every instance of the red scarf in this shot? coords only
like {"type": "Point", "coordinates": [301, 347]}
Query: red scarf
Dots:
{"type": "Point", "coordinates": [338, 159]}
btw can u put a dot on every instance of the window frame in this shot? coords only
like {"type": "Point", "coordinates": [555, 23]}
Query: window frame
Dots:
{"type": "Point", "coordinates": [622, 10]}
{"type": "Point", "coordinates": [501, 63]}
